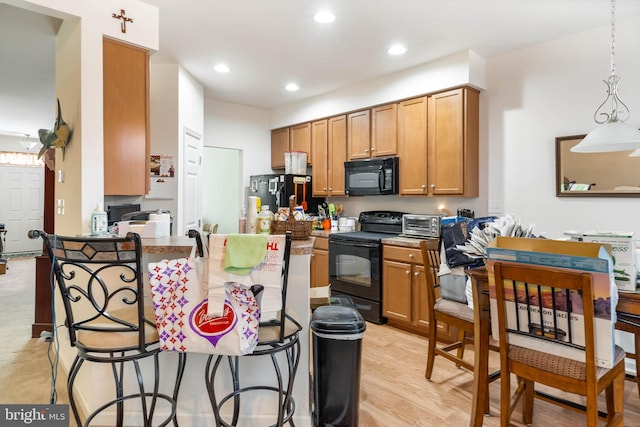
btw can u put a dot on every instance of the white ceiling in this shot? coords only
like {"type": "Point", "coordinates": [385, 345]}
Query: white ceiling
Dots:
{"type": "Point", "coordinates": [270, 43]}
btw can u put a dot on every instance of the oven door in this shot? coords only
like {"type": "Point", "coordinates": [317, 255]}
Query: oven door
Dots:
{"type": "Point", "coordinates": [354, 268]}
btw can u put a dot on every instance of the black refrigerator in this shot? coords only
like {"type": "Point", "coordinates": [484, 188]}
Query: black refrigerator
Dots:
{"type": "Point", "coordinates": [274, 190]}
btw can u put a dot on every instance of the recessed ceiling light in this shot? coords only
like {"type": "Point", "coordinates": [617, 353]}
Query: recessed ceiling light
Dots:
{"type": "Point", "coordinates": [222, 68]}
{"type": "Point", "coordinates": [291, 87]}
{"type": "Point", "coordinates": [324, 17]}
{"type": "Point", "coordinates": [396, 49]}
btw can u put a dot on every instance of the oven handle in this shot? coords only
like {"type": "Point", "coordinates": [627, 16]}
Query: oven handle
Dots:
{"type": "Point", "coordinates": [380, 178]}
{"type": "Point", "coordinates": [353, 243]}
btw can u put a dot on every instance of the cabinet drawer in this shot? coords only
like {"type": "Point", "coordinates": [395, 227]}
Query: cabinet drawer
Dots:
{"type": "Point", "coordinates": [402, 254]}
{"type": "Point", "coordinates": [322, 243]}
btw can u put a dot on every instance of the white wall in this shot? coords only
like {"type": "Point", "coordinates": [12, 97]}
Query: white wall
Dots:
{"type": "Point", "coordinates": [240, 127]}
{"type": "Point", "coordinates": [548, 90]}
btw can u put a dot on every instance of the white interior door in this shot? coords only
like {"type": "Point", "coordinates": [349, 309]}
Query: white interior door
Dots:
{"type": "Point", "coordinates": [21, 206]}
{"type": "Point", "coordinates": [222, 192]}
{"type": "Point", "coordinates": [192, 200]}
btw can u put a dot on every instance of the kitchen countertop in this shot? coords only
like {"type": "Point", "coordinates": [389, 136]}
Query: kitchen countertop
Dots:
{"type": "Point", "coordinates": [183, 244]}
{"type": "Point", "coordinates": [409, 242]}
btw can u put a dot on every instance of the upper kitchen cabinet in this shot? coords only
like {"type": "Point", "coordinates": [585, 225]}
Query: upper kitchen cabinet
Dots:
{"type": "Point", "coordinates": [301, 140]}
{"type": "Point", "coordinates": [373, 133]}
{"type": "Point", "coordinates": [126, 119]}
{"type": "Point", "coordinates": [279, 144]}
{"type": "Point", "coordinates": [359, 135]}
{"type": "Point", "coordinates": [329, 151]}
{"type": "Point", "coordinates": [453, 134]}
{"type": "Point", "coordinates": [412, 146]}
{"type": "Point", "coordinates": [293, 138]}
{"type": "Point", "coordinates": [438, 144]}
{"type": "Point", "coordinates": [384, 130]}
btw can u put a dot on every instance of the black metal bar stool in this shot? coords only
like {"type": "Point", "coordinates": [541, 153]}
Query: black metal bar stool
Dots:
{"type": "Point", "coordinates": [277, 337]}
{"type": "Point", "coordinates": [100, 281]}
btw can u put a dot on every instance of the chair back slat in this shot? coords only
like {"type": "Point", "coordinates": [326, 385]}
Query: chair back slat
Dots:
{"type": "Point", "coordinates": [98, 277]}
{"type": "Point", "coordinates": [550, 298]}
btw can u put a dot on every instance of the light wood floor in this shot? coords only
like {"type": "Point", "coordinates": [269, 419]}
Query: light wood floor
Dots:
{"type": "Point", "coordinates": [394, 392]}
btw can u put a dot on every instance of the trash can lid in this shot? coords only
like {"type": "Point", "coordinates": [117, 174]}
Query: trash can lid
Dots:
{"type": "Point", "coordinates": [337, 320]}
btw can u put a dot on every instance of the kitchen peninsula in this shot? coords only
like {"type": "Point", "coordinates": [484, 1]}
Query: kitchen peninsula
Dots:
{"type": "Point", "coordinates": [194, 408]}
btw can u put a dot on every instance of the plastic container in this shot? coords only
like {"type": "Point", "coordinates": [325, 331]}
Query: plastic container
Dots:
{"type": "Point", "coordinates": [263, 225]}
{"type": "Point", "coordinates": [298, 162]}
{"type": "Point", "coordinates": [99, 222]}
{"type": "Point", "coordinates": [287, 162]}
{"type": "Point", "coordinates": [337, 351]}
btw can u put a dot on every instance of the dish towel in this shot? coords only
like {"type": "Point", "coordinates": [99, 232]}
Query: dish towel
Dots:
{"type": "Point", "coordinates": [243, 252]}
{"type": "Point", "coordinates": [267, 271]}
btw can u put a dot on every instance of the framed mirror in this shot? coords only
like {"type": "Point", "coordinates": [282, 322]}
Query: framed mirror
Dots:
{"type": "Point", "coordinates": [612, 174]}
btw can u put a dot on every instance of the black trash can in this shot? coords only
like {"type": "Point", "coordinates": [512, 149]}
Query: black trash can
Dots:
{"type": "Point", "coordinates": [337, 350]}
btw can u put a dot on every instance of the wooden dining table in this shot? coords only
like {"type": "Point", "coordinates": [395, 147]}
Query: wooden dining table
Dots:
{"type": "Point", "coordinates": [628, 320]}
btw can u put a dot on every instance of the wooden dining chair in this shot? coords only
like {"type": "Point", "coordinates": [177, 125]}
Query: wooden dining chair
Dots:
{"type": "Point", "coordinates": [455, 314]}
{"type": "Point", "coordinates": [534, 290]}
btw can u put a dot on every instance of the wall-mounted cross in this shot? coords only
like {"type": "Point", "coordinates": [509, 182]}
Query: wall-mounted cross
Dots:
{"type": "Point", "coordinates": [123, 25]}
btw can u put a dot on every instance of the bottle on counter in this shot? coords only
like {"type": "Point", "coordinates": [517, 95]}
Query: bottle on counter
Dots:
{"type": "Point", "coordinates": [99, 223]}
{"type": "Point", "coordinates": [265, 217]}
{"type": "Point", "coordinates": [242, 222]}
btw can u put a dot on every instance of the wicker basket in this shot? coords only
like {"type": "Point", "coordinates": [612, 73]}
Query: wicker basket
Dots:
{"type": "Point", "coordinates": [300, 230]}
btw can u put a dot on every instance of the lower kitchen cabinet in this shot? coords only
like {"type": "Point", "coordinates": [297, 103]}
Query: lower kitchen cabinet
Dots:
{"type": "Point", "coordinates": [320, 263]}
{"type": "Point", "coordinates": [404, 300]}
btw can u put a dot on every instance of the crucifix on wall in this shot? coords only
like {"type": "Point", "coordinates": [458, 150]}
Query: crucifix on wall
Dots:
{"type": "Point", "coordinates": [123, 18]}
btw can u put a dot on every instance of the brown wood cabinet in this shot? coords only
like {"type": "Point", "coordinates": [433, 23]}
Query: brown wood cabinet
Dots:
{"type": "Point", "coordinates": [292, 138]}
{"type": "Point", "coordinates": [320, 263]}
{"type": "Point", "coordinates": [372, 133]}
{"type": "Point", "coordinates": [404, 301]}
{"type": "Point", "coordinates": [412, 146]}
{"type": "Point", "coordinates": [301, 140]}
{"type": "Point", "coordinates": [329, 148]}
{"type": "Point", "coordinates": [279, 144]}
{"type": "Point", "coordinates": [438, 144]}
{"type": "Point", "coordinates": [453, 138]}
{"type": "Point", "coordinates": [359, 135]}
{"type": "Point", "coordinates": [126, 119]}
{"type": "Point", "coordinates": [384, 130]}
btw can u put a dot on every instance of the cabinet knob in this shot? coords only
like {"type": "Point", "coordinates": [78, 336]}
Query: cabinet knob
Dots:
{"type": "Point", "coordinates": [330, 189]}
{"type": "Point", "coordinates": [411, 256]}
{"type": "Point", "coordinates": [324, 188]}
{"type": "Point", "coordinates": [366, 151]}
{"type": "Point", "coordinates": [407, 272]}
{"type": "Point", "coordinates": [424, 186]}
{"type": "Point", "coordinates": [373, 149]}
{"type": "Point", "coordinates": [416, 274]}
{"type": "Point", "coordinates": [433, 186]}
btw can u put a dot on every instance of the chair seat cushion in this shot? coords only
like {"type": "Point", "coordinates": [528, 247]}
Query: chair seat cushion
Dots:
{"type": "Point", "coordinates": [269, 334]}
{"type": "Point", "coordinates": [107, 340]}
{"type": "Point", "coordinates": [455, 309]}
{"type": "Point", "coordinates": [558, 364]}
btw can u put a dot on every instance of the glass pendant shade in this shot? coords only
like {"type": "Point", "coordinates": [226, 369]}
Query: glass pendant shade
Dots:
{"type": "Point", "coordinates": [610, 136]}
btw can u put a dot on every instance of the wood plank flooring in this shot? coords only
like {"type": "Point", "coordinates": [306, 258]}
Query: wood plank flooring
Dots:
{"type": "Point", "coordinates": [394, 392]}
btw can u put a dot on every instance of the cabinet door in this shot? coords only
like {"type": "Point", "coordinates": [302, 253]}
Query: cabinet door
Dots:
{"type": "Point", "coordinates": [384, 130]}
{"type": "Point", "coordinates": [337, 155]}
{"type": "Point", "coordinates": [301, 139]}
{"type": "Point", "coordinates": [320, 153]}
{"type": "Point", "coordinates": [126, 112]}
{"type": "Point", "coordinates": [359, 135]}
{"type": "Point", "coordinates": [453, 142]}
{"type": "Point", "coordinates": [412, 146]}
{"type": "Point", "coordinates": [397, 288]}
{"type": "Point", "coordinates": [279, 144]}
{"type": "Point", "coordinates": [319, 268]}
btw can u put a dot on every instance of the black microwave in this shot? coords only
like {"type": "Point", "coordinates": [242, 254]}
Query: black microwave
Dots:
{"type": "Point", "coordinates": [371, 177]}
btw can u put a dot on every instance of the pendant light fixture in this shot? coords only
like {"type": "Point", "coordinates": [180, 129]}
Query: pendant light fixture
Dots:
{"type": "Point", "coordinates": [611, 134]}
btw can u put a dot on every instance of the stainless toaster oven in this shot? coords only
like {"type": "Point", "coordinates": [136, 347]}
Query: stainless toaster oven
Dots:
{"type": "Point", "coordinates": [426, 226]}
